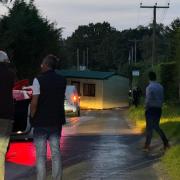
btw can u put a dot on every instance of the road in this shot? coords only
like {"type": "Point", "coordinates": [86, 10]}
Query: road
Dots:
{"type": "Point", "coordinates": [98, 146]}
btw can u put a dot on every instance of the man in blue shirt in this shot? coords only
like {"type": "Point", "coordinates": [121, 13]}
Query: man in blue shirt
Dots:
{"type": "Point", "coordinates": [153, 105]}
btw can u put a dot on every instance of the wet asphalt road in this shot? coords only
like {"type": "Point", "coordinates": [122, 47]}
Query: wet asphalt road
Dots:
{"type": "Point", "coordinates": [98, 146]}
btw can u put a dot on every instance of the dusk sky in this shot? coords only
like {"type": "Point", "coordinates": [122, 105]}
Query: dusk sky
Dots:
{"type": "Point", "coordinates": [121, 14]}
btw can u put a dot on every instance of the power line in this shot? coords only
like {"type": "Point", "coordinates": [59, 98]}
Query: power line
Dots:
{"type": "Point", "coordinates": [155, 7]}
{"type": "Point", "coordinates": [145, 16]}
{"type": "Point", "coordinates": [164, 13]}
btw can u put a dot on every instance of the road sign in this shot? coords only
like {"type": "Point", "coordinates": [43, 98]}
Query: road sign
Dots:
{"type": "Point", "coordinates": [135, 73]}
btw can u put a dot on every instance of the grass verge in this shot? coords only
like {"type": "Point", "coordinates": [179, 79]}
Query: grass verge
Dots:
{"type": "Point", "coordinates": [170, 123]}
{"type": "Point", "coordinates": [171, 162]}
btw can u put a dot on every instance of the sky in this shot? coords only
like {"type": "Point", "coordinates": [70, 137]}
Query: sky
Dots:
{"type": "Point", "coordinates": [121, 14]}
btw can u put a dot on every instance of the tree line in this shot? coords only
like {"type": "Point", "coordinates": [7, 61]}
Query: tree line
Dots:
{"type": "Point", "coordinates": [28, 37]}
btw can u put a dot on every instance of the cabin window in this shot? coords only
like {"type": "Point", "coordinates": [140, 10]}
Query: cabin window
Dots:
{"type": "Point", "coordinates": [89, 90]}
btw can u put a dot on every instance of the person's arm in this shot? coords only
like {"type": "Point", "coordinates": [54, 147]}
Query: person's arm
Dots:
{"type": "Point", "coordinates": [35, 97]}
{"type": "Point", "coordinates": [34, 104]}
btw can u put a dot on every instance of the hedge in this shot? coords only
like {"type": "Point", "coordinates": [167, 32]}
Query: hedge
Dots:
{"type": "Point", "coordinates": [167, 75]}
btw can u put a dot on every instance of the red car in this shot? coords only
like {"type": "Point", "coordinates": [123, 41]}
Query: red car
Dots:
{"type": "Point", "coordinates": [22, 94]}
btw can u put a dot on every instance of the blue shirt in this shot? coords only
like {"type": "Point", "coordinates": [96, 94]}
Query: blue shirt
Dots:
{"type": "Point", "coordinates": [154, 95]}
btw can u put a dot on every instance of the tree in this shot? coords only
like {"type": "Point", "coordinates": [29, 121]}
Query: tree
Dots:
{"type": "Point", "coordinates": [178, 53]}
{"type": "Point", "coordinates": [108, 48]}
{"type": "Point", "coordinates": [28, 37]}
{"type": "Point", "coordinates": [90, 37]}
{"type": "Point", "coordinates": [171, 33]}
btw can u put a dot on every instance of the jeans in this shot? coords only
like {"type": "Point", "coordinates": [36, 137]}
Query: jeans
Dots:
{"type": "Point", "coordinates": [41, 136]}
{"type": "Point", "coordinates": [153, 116]}
{"type": "Point", "coordinates": [5, 131]}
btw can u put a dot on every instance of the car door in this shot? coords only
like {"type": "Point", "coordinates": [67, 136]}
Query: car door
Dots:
{"type": "Point", "coordinates": [22, 99]}
{"type": "Point", "coordinates": [21, 117]}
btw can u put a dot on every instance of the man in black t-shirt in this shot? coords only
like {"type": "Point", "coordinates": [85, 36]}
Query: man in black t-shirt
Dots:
{"type": "Point", "coordinates": [48, 116]}
{"type": "Point", "coordinates": [7, 78]}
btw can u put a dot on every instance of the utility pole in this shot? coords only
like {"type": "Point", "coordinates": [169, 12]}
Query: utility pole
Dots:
{"type": "Point", "coordinates": [155, 7]}
{"type": "Point", "coordinates": [87, 50]}
{"type": "Point", "coordinates": [135, 49]}
{"type": "Point", "coordinates": [84, 58]}
{"type": "Point", "coordinates": [132, 52]}
{"type": "Point", "coordinates": [129, 58]}
{"type": "Point", "coordinates": [77, 59]}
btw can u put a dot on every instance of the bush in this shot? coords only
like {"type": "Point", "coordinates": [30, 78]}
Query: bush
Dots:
{"type": "Point", "coordinates": [168, 76]}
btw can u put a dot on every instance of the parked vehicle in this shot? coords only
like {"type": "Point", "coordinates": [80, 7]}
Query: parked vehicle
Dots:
{"type": "Point", "coordinates": [22, 98]}
{"type": "Point", "coordinates": [22, 94]}
{"type": "Point", "coordinates": [72, 101]}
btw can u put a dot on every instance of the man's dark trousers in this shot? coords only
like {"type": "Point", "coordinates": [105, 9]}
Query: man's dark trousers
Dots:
{"type": "Point", "coordinates": [153, 116]}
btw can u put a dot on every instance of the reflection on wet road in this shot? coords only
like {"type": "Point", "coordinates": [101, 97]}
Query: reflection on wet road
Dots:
{"type": "Point", "coordinates": [98, 146]}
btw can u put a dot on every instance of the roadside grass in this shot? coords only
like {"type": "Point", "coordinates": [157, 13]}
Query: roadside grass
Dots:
{"type": "Point", "coordinates": [136, 116]}
{"type": "Point", "coordinates": [170, 120]}
{"type": "Point", "coordinates": [170, 123]}
{"type": "Point", "coordinates": [171, 162]}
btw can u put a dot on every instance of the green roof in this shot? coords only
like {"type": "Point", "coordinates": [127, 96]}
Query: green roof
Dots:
{"type": "Point", "coordinates": [85, 74]}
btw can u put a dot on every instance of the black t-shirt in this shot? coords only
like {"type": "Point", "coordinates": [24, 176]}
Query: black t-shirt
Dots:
{"type": "Point", "coordinates": [7, 78]}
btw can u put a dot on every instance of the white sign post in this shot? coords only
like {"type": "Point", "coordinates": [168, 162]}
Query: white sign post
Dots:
{"type": "Point", "coordinates": [135, 73]}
